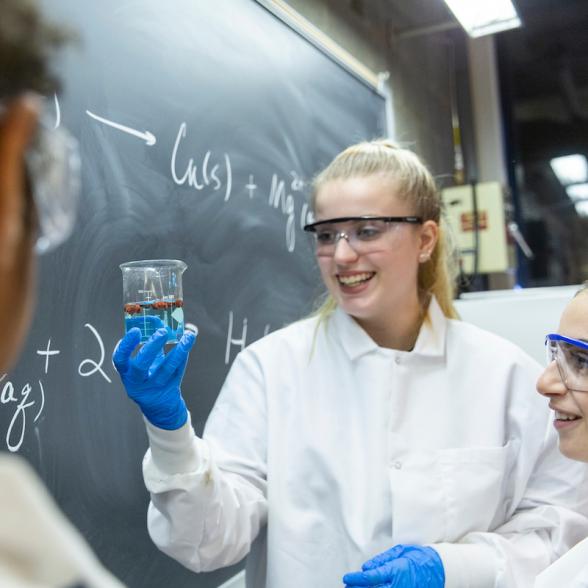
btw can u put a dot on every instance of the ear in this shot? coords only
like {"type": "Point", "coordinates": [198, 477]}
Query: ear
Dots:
{"type": "Point", "coordinates": [17, 127]}
{"type": "Point", "coordinates": [427, 240]}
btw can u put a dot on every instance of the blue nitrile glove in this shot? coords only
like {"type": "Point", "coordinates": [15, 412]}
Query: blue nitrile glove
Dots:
{"type": "Point", "coordinates": [403, 566]}
{"type": "Point", "coordinates": [152, 379]}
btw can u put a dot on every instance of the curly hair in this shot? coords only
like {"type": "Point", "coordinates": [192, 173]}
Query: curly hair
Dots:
{"type": "Point", "coordinates": [27, 45]}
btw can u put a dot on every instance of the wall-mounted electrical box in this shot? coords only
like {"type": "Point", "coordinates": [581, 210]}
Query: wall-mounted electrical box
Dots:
{"type": "Point", "coordinates": [492, 249]}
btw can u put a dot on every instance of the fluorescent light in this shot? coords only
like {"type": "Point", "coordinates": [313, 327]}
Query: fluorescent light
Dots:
{"type": "Point", "coordinates": [570, 169]}
{"type": "Point", "coordinates": [582, 207]}
{"type": "Point", "coordinates": [484, 17]}
{"type": "Point", "coordinates": [578, 192]}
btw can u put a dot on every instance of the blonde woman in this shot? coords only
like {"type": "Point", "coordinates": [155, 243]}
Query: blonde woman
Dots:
{"type": "Point", "coordinates": [381, 425]}
{"type": "Point", "coordinates": [565, 383]}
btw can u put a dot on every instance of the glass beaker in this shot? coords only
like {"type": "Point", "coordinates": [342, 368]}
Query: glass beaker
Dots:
{"type": "Point", "coordinates": [153, 297]}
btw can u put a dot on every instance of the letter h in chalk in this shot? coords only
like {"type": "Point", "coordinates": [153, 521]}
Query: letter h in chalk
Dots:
{"type": "Point", "coordinates": [232, 341]}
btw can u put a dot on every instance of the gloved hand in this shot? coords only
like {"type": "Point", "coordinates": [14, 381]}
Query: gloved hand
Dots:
{"type": "Point", "coordinates": [152, 379]}
{"type": "Point", "coordinates": [403, 566]}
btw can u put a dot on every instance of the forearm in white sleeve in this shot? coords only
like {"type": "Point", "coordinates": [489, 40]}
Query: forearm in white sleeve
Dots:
{"type": "Point", "coordinates": [203, 517]}
{"type": "Point", "coordinates": [551, 518]}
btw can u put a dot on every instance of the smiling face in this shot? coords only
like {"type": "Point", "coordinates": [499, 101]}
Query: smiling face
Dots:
{"type": "Point", "coordinates": [571, 416]}
{"type": "Point", "coordinates": [380, 285]}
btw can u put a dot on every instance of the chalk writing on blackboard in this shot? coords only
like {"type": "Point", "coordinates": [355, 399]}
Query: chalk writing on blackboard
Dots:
{"type": "Point", "coordinates": [48, 352]}
{"type": "Point", "coordinates": [240, 342]}
{"type": "Point", "coordinates": [57, 112]}
{"type": "Point", "coordinates": [214, 171]}
{"type": "Point", "coordinates": [9, 398]}
{"type": "Point", "coordinates": [29, 402]}
{"type": "Point", "coordinates": [147, 136]}
{"type": "Point", "coordinates": [208, 176]}
{"type": "Point", "coordinates": [250, 186]}
{"type": "Point", "coordinates": [94, 366]}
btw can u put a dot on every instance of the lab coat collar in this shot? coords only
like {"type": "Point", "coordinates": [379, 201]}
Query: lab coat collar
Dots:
{"type": "Point", "coordinates": [356, 342]}
{"type": "Point", "coordinates": [431, 339]}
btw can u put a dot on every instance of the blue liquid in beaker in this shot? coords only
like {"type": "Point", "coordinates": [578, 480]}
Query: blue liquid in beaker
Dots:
{"type": "Point", "coordinates": [154, 314]}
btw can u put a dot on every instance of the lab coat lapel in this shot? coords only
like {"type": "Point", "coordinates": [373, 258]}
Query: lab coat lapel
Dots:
{"type": "Point", "coordinates": [356, 342]}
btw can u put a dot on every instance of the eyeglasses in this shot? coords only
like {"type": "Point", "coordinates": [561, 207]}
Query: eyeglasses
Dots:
{"type": "Point", "coordinates": [571, 358]}
{"type": "Point", "coordinates": [363, 233]}
{"type": "Point", "coordinates": [53, 166]}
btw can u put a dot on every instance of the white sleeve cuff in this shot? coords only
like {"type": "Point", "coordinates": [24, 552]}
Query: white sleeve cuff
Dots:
{"type": "Point", "coordinates": [468, 565]}
{"type": "Point", "coordinates": [174, 452]}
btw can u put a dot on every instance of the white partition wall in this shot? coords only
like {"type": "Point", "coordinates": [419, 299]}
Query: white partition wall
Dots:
{"type": "Point", "coordinates": [522, 316]}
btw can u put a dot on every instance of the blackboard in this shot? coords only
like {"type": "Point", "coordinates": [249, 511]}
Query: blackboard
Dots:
{"type": "Point", "coordinates": [244, 110]}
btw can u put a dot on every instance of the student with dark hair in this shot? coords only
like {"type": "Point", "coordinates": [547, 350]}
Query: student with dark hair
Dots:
{"type": "Point", "coordinates": [38, 546]}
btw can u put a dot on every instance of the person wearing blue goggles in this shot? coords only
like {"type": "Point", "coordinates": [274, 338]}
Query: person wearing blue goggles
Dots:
{"type": "Point", "coordinates": [565, 379]}
{"type": "Point", "coordinates": [565, 383]}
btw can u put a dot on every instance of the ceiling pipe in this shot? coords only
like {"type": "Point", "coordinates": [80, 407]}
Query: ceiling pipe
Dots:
{"type": "Point", "coordinates": [428, 30]}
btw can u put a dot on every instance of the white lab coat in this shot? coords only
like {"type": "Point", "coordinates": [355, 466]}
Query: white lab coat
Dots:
{"type": "Point", "coordinates": [570, 571]}
{"type": "Point", "coordinates": [39, 548]}
{"type": "Point", "coordinates": [326, 449]}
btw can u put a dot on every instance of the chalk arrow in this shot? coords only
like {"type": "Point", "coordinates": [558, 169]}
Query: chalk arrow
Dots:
{"type": "Point", "coordinates": [148, 137]}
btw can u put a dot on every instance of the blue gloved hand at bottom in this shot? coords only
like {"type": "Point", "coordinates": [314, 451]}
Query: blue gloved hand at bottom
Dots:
{"type": "Point", "coordinates": [152, 378]}
{"type": "Point", "coordinates": [403, 566]}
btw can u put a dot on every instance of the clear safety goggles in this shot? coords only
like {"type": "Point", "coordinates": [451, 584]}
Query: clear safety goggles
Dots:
{"type": "Point", "coordinates": [363, 233]}
{"type": "Point", "coordinates": [54, 172]}
{"type": "Point", "coordinates": [571, 358]}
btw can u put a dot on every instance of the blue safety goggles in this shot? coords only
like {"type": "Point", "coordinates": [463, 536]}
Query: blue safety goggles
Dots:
{"type": "Point", "coordinates": [571, 358]}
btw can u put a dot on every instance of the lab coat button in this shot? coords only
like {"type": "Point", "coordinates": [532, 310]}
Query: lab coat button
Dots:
{"type": "Point", "coordinates": [397, 359]}
{"type": "Point", "coordinates": [397, 465]}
